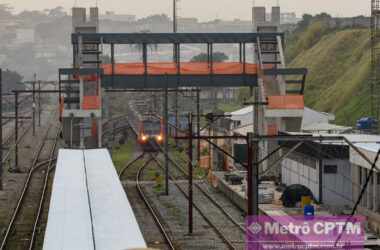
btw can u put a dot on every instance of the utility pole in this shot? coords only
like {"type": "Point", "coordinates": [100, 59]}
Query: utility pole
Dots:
{"type": "Point", "coordinates": [175, 16]}
{"type": "Point", "coordinates": [39, 104]}
{"type": "Point", "coordinates": [198, 125]}
{"type": "Point", "coordinates": [253, 156]}
{"type": "Point", "coordinates": [34, 104]}
{"type": "Point", "coordinates": [166, 140]}
{"type": "Point", "coordinates": [255, 148]}
{"type": "Point", "coordinates": [176, 60]}
{"type": "Point", "coordinates": [375, 59]}
{"type": "Point", "coordinates": [16, 132]}
{"type": "Point", "coordinates": [190, 166]}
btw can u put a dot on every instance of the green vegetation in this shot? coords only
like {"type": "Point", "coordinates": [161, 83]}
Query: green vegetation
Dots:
{"type": "Point", "coordinates": [181, 156]}
{"type": "Point", "coordinates": [339, 69]}
{"type": "Point", "coordinates": [217, 57]}
{"type": "Point", "coordinates": [229, 107]}
{"type": "Point", "coordinates": [123, 154]}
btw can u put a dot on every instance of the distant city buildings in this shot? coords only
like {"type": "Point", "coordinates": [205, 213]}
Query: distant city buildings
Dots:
{"type": "Point", "coordinates": [289, 18]}
{"type": "Point", "coordinates": [110, 15]}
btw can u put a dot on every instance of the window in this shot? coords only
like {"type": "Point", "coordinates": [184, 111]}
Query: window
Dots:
{"type": "Point", "coordinates": [330, 169]}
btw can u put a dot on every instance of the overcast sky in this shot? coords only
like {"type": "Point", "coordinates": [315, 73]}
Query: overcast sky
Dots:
{"type": "Point", "coordinates": [204, 9]}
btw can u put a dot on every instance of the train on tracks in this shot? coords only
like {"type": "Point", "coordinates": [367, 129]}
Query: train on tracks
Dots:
{"type": "Point", "coordinates": [149, 128]}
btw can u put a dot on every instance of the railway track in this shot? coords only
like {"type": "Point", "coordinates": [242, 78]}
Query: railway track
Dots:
{"type": "Point", "coordinates": [202, 203]}
{"type": "Point", "coordinates": [9, 139]}
{"type": "Point", "coordinates": [142, 195]}
{"type": "Point", "coordinates": [156, 216]}
{"type": "Point", "coordinates": [230, 231]}
{"type": "Point", "coordinates": [22, 227]}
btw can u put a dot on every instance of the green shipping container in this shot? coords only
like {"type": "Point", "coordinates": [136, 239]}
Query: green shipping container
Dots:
{"type": "Point", "coordinates": [241, 153]}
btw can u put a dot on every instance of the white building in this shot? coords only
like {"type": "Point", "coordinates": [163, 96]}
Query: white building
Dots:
{"type": "Point", "coordinates": [323, 168]}
{"type": "Point", "coordinates": [370, 203]}
{"type": "Point", "coordinates": [312, 122]}
{"type": "Point", "coordinates": [336, 172]}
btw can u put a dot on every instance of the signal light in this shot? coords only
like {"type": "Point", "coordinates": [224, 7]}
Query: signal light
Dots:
{"type": "Point", "coordinates": [159, 138]}
{"type": "Point", "coordinates": [144, 138]}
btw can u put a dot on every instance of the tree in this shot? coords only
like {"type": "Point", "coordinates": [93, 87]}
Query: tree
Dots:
{"type": "Point", "coordinates": [139, 47]}
{"type": "Point", "coordinates": [56, 31]}
{"type": "Point", "coordinates": [56, 12]}
{"type": "Point", "coordinates": [11, 81]}
{"type": "Point", "coordinates": [305, 22]}
{"type": "Point", "coordinates": [217, 57]}
{"type": "Point", "coordinates": [33, 16]}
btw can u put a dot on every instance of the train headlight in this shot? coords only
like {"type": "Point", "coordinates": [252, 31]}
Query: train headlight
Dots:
{"type": "Point", "coordinates": [159, 138]}
{"type": "Point", "coordinates": [144, 138]}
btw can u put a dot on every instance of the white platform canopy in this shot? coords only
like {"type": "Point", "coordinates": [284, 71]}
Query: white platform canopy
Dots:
{"type": "Point", "coordinates": [89, 208]}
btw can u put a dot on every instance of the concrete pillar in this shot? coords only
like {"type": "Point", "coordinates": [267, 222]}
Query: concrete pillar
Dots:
{"type": "Point", "coordinates": [276, 16]}
{"type": "Point", "coordinates": [100, 132]}
{"type": "Point", "coordinates": [78, 17]}
{"type": "Point", "coordinates": [367, 192]}
{"type": "Point", "coordinates": [258, 16]}
{"type": "Point", "coordinates": [355, 181]}
{"type": "Point", "coordinates": [363, 176]}
{"type": "Point", "coordinates": [81, 92]}
{"type": "Point", "coordinates": [375, 189]}
{"type": "Point", "coordinates": [94, 17]}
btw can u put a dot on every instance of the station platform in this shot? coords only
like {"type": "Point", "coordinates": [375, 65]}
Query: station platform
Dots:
{"type": "Point", "coordinates": [89, 208]}
{"type": "Point", "coordinates": [273, 207]}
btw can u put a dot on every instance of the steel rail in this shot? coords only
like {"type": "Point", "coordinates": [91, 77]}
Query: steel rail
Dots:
{"type": "Point", "coordinates": [152, 211]}
{"type": "Point", "coordinates": [44, 190]}
{"type": "Point", "coordinates": [213, 201]}
{"type": "Point", "coordinates": [203, 215]}
{"type": "Point", "coordinates": [24, 191]}
{"type": "Point", "coordinates": [145, 198]}
{"type": "Point", "coordinates": [221, 235]}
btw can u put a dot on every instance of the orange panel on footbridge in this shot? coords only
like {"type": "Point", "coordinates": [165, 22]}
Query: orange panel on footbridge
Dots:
{"type": "Point", "coordinates": [286, 102]}
{"type": "Point", "coordinates": [188, 68]}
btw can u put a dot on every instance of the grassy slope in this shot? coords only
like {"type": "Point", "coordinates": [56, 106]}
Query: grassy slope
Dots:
{"type": "Point", "coordinates": [339, 68]}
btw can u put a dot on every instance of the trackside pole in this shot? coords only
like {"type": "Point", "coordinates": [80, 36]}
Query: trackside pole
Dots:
{"type": "Point", "coordinates": [166, 141]}
{"type": "Point", "coordinates": [255, 155]}
{"type": "Point", "coordinates": [34, 103]}
{"type": "Point", "coordinates": [198, 125]}
{"type": "Point", "coordinates": [16, 131]}
{"type": "Point", "coordinates": [190, 166]}
{"type": "Point", "coordinates": [249, 175]}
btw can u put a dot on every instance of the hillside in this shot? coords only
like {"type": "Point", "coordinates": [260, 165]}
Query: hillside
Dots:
{"type": "Point", "coordinates": [339, 69]}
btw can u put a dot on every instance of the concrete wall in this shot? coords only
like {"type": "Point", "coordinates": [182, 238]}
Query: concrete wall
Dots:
{"type": "Point", "coordinates": [369, 206]}
{"type": "Point", "coordinates": [370, 200]}
{"type": "Point", "coordinates": [301, 170]}
{"type": "Point", "coordinates": [336, 189]}
{"type": "Point", "coordinates": [79, 17]}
